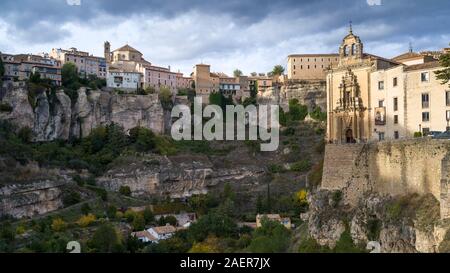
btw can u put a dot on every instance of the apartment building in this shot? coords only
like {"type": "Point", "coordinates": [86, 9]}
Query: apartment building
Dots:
{"type": "Point", "coordinates": [86, 63]}
{"type": "Point", "coordinates": [20, 67]}
{"type": "Point", "coordinates": [310, 66]}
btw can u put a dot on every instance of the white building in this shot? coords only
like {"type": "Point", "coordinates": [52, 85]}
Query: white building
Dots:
{"type": "Point", "coordinates": [162, 233]}
{"type": "Point", "coordinates": [123, 80]}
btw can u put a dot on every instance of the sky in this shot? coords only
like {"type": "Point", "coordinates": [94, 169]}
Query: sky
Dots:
{"type": "Point", "coordinates": [250, 35]}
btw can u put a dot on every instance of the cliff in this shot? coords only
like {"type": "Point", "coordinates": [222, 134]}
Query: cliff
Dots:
{"type": "Point", "coordinates": [57, 117]}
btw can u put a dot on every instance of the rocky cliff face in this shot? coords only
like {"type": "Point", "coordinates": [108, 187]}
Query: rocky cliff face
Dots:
{"type": "Point", "coordinates": [175, 176]}
{"type": "Point", "coordinates": [27, 191]}
{"type": "Point", "coordinates": [60, 118]}
{"type": "Point", "coordinates": [399, 226]}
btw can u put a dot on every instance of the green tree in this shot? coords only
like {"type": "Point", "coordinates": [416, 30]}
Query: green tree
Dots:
{"type": "Point", "coordinates": [237, 73]}
{"type": "Point", "coordinates": [271, 237]}
{"type": "Point", "coordinates": [138, 222]}
{"type": "Point", "coordinates": [125, 190]}
{"type": "Point", "coordinates": [106, 240]}
{"type": "Point", "coordinates": [148, 215]}
{"type": "Point", "coordinates": [444, 74]}
{"type": "Point", "coordinates": [69, 74]}
{"type": "Point", "coordinates": [278, 70]}
{"type": "Point", "coordinates": [85, 209]}
{"type": "Point", "coordinates": [143, 139]}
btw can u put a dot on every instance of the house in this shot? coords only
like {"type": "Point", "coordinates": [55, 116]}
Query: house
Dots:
{"type": "Point", "coordinates": [183, 219]}
{"type": "Point", "coordinates": [144, 236]}
{"type": "Point", "coordinates": [273, 217]}
{"type": "Point", "coordinates": [162, 233]}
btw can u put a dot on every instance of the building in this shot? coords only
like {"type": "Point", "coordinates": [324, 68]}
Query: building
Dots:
{"type": "Point", "coordinates": [349, 103]}
{"type": "Point", "coordinates": [370, 98]}
{"type": "Point", "coordinates": [286, 222]}
{"type": "Point", "coordinates": [20, 67]}
{"type": "Point", "coordinates": [310, 66]}
{"type": "Point", "coordinates": [144, 236]}
{"type": "Point", "coordinates": [162, 233]}
{"type": "Point", "coordinates": [86, 63]}
{"type": "Point", "coordinates": [207, 82]}
{"type": "Point", "coordinates": [129, 60]}
{"type": "Point", "coordinates": [123, 80]}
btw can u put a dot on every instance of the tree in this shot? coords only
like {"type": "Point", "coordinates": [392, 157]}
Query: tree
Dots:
{"type": "Point", "coordinates": [138, 222]}
{"type": "Point", "coordinates": [143, 139]}
{"type": "Point", "coordinates": [69, 74]}
{"type": "Point", "coordinates": [211, 245]}
{"type": "Point", "coordinates": [165, 96]}
{"type": "Point", "coordinates": [271, 237]}
{"type": "Point", "coordinates": [278, 70]}
{"type": "Point", "coordinates": [106, 240]}
{"type": "Point", "coordinates": [237, 73]}
{"type": "Point", "coordinates": [125, 190]}
{"type": "Point", "coordinates": [254, 74]}
{"type": "Point", "coordinates": [85, 209]}
{"type": "Point", "coordinates": [148, 215]}
{"type": "Point", "coordinates": [444, 74]}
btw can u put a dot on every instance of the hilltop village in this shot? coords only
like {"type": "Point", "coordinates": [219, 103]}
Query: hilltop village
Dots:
{"type": "Point", "coordinates": [86, 154]}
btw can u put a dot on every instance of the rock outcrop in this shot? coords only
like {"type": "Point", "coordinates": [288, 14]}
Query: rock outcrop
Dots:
{"type": "Point", "coordinates": [57, 117]}
{"type": "Point", "coordinates": [399, 226]}
{"type": "Point", "coordinates": [174, 176]}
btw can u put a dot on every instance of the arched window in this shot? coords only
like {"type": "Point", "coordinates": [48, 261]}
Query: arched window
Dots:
{"type": "Point", "coordinates": [353, 49]}
{"type": "Point", "coordinates": [346, 50]}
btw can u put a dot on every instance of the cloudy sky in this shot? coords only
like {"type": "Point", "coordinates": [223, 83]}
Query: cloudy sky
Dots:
{"type": "Point", "coordinates": [252, 35]}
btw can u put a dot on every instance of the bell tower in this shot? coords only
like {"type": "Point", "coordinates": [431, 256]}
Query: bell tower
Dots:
{"type": "Point", "coordinates": [107, 47]}
{"type": "Point", "coordinates": [351, 48]}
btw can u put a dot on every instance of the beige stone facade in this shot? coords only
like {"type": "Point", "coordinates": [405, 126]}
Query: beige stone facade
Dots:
{"type": "Point", "coordinates": [310, 66]}
{"type": "Point", "coordinates": [349, 103]}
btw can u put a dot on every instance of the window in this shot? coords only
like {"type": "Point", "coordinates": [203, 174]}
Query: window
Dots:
{"type": "Point", "coordinates": [294, 66]}
{"type": "Point", "coordinates": [308, 66]}
{"type": "Point", "coordinates": [426, 116]}
{"type": "Point", "coordinates": [447, 98]}
{"type": "Point", "coordinates": [381, 103]}
{"type": "Point", "coordinates": [396, 135]}
{"type": "Point", "coordinates": [425, 77]}
{"type": "Point", "coordinates": [381, 136]}
{"type": "Point", "coordinates": [301, 67]}
{"type": "Point", "coordinates": [381, 85]}
{"type": "Point", "coordinates": [395, 82]}
{"type": "Point", "coordinates": [426, 131]}
{"type": "Point", "coordinates": [395, 119]}
{"type": "Point", "coordinates": [425, 100]}
{"type": "Point", "coordinates": [346, 50]}
{"type": "Point", "coordinates": [353, 49]}
{"type": "Point", "coordinates": [395, 104]}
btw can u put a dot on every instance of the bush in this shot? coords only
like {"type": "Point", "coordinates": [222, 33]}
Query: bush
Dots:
{"type": "Point", "coordinates": [71, 198]}
{"type": "Point", "coordinates": [58, 225]}
{"type": "Point", "coordinates": [276, 168]}
{"type": "Point", "coordinates": [86, 220]}
{"type": "Point", "coordinates": [85, 209]}
{"type": "Point", "coordinates": [138, 222]}
{"type": "Point", "coordinates": [106, 240]}
{"type": "Point", "coordinates": [301, 166]}
{"type": "Point", "coordinates": [417, 134]}
{"type": "Point", "coordinates": [4, 107]}
{"type": "Point", "coordinates": [125, 190]}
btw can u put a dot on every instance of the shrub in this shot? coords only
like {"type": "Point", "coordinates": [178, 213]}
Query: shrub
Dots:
{"type": "Point", "coordinates": [125, 190]}
{"type": "Point", "coordinates": [85, 209]}
{"type": "Point", "coordinates": [336, 198]}
{"type": "Point", "coordinates": [276, 168]}
{"type": "Point", "coordinates": [138, 222]}
{"type": "Point", "coordinates": [25, 134]}
{"type": "Point", "coordinates": [71, 198]}
{"type": "Point", "coordinates": [106, 240]}
{"type": "Point", "coordinates": [373, 229]}
{"type": "Point", "coordinates": [417, 134]}
{"type": "Point", "coordinates": [58, 225]}
{"type": "Point", "coordinates": [86, 220]}
{"type": "Point", "coordinates": [4, 107]}
{"type": "Point", "coordinates": [301, 166]}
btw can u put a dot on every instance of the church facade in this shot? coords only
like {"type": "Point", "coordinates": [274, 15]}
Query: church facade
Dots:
{"type": "Point", "coordinates": [349, 105]}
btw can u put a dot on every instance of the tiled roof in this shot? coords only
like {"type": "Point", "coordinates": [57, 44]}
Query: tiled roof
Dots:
{"type": "Point", "coordinates": [128, 48]}
{"type": "Point", "coordinates": [165, 229]}
{"type": "Point", "coordinates": [143, 234]}
{"type": "Point", "coordinates": [407, 55]}
{"type": "Point", "coordinates": [427, 65]}
{"type": "Point", "coordinates": [314, 55]}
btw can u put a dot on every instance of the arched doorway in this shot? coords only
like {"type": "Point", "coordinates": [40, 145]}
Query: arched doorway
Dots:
{"type": "Point", "coordinates": [349, 136]}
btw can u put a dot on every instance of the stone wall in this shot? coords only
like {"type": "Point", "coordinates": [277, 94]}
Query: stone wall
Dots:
{"type": "Point", "coordinates": [392, 168]}
{"type": "Point", "coordinates": [310, 93]}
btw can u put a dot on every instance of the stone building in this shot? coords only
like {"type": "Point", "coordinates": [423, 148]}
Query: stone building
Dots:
{"type": "Point", "coordinates": [86, 63]}
{"type": "Point", "coordinates": [129, 60]}
{"type": "Point", "coordinates": [349, 103]}
{"type": "Point", "coordinates": [20, 67]}
{"type": "Point", "coordinates": [309, 66]}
